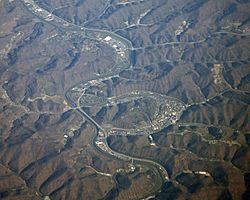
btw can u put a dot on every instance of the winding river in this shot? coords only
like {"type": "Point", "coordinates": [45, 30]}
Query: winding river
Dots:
{"type": "Point", "coordinates": [121, 47]}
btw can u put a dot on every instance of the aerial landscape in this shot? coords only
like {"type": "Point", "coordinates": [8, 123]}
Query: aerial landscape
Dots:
{"type": "Point", "coordinates": [125, 99]}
